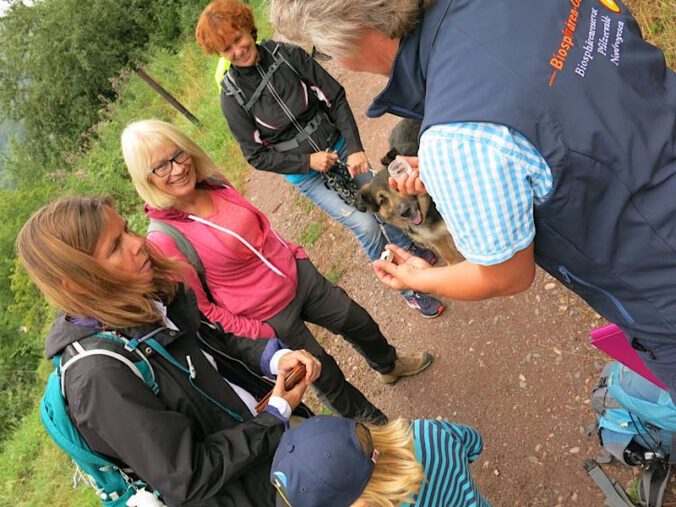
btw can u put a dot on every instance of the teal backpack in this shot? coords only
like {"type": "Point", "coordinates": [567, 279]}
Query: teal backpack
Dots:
{"type": "Point", "coordinates": [114, 484]}
{"type": "Point", "coordinates": [636, 425]}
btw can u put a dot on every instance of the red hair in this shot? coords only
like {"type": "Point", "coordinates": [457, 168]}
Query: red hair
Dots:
{"type": "Point", "coordinates": [219, 22]}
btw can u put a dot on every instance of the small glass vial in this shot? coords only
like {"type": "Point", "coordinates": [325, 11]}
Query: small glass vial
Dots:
{"type": "Point", "coordinates": [398, 167]}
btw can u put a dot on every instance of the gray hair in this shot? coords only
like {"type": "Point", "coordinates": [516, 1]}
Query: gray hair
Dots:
{"type": "Point", "coordinates": [334, 26]}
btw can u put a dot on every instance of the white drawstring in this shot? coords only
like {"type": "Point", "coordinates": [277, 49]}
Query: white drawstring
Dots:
{"type": "Point", "coordinates": [272, 267]}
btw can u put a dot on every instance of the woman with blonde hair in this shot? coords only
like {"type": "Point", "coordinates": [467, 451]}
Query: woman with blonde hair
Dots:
{"type": "Point", "coordinates": [194, 439]}
{"type": "Point", "coordinates": [291, 117]}
{"type": "Point", "coordinates": [257, 284]}
{"type": "Point", "coordinates": [336, 462]}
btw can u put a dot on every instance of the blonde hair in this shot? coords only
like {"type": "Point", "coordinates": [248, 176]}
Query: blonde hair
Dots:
{"type": "Point", "coordinates": [397, 475]}
{"type": "Point", "coordinates": [334, 26]}
{"type": "Point", "coordinates": [141, 139]}
{"type": "Point", "coordinates": [56, 246]}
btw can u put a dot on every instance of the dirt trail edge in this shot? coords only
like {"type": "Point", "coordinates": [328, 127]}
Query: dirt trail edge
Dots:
{"type": "Point", "coordinates": [518, 368]}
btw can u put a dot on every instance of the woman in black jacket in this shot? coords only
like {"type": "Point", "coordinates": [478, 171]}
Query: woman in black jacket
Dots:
{"type": "Point", "coordinates": [291, 117]}
{"type": "Point", "coordinates": [206, 448]}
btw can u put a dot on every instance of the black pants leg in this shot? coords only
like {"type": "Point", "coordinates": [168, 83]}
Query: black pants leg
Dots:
{"type": "Point", "coordinates": [320, 302]}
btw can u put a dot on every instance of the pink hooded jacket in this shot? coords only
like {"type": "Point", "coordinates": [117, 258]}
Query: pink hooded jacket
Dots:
{"type": "Point", "coordinates": [247, 289]}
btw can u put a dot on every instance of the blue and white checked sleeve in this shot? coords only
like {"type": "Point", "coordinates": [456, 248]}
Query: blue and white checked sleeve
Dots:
{"type": "Point", "coordinates": [485, 179]}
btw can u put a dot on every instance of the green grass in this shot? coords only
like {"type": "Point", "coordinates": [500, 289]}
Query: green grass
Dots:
{"type": "Point", "coordinates": [311, 234]}
{"type": "Point", "coordinates": [335, 274]}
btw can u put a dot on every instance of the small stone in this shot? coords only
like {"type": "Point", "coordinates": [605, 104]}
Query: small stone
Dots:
{"type": "Point", "coordinates": [532, 459]}
{"type": "Point", "coordinates": [550, 286]}
{"type": "Point", "coordinates": [538, 447]}
{"type": "Point", "coordinates": [563, 308]}
{"type": "Point", "coordinates": [523, 385]}
{"type": "Point", "coordinates": [557, 351]}
{"type": "Point", "coordinates": [574, 450]}
{"type": "Point", "coordinates": [521, 377]}
{"type": "Point", "coordinates": [485, 464]}
{"type": "Point", "coordinates": [573, 497]}
{"type": "Point", "coordinates": [496, 472]}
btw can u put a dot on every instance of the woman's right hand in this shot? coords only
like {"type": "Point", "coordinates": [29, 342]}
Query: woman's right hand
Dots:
{"type": "Point", "coordinates": [323, 160]}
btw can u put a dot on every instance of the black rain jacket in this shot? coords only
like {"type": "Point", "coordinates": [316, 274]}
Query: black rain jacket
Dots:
{"type": "Point", "coordinates": [268, 124]}
{"type": "Point", "coordinates": [180, 443]}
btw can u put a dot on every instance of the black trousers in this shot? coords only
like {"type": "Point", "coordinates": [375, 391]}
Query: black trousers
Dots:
{"type": "Point", "coordinates": [320, 302]}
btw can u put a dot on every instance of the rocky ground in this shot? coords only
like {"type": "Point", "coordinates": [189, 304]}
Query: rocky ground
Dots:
{"type": "Point", "coordinates": [518, 368]}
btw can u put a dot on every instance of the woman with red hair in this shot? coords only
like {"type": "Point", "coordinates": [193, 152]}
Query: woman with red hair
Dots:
{"type": "Point", "coordinates": [292, 117]}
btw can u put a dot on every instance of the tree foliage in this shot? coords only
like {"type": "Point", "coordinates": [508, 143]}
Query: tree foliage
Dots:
{"type": "Point", "coordinates": [58, 57]}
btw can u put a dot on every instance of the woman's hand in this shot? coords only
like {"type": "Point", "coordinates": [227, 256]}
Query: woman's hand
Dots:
{"type": "Point", "coordinates": [294, 396]}
{"type": "Point", "coordinates": [400, 274]}
{"type": "Point", "coordinates": [288, 362]}
{"type": "Point", "coordinates": [323, 160]}
{"type": "Point", "coordinates": [409, 184]}
{"type": "Point", "coordinates": [357, 163]}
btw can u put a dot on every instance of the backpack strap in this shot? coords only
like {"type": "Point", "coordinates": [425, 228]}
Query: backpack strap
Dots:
{"type": "Point", "coordinates": [653, 483]}
{"type": "Point", "coordinates": [192, 375]}
{"type": "Point", "coordinates": [615, 495]}
{"type": "Point", "coordinates": [303, 133]}
{"type": "Point", "coordinates": [185, 247]}
{"type": "Point", "coordinates": [88, 347]}
{"type": "Point", "coordinates": [232, 90]}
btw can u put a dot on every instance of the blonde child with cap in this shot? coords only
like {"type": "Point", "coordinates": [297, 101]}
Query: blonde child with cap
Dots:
{"type": "Point", "coordinates": [337, 462]}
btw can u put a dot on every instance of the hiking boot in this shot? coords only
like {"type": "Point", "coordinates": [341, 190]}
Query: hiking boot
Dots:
{"type": "Point", "coordinates": [426, 254]}
{"type": "Point", "coordinates": [428, 306]}
{"type": "Point", "coordinates": [405, 366]}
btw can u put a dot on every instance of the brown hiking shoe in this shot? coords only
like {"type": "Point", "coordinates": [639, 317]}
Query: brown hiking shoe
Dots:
{"type": "Point", "coordinates": [405, 366]}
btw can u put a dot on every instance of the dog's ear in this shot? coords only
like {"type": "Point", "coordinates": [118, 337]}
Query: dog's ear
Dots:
{"type": "Point", "coordinates": [365, 202]}
{"type": "Point", "coordinates": [389, 157]}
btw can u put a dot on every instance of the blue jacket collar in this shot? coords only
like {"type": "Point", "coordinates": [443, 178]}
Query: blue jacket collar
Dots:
{"type": "Point", "coordinates": [404, 94]}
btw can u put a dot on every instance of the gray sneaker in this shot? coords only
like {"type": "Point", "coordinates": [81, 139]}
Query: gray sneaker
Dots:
{"type": "Point", "coordinates": [405, 366]}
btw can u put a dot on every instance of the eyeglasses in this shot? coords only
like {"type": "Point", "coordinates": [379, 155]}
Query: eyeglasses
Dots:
{"type": "Point", "coordinates": [319, 56]}
{"type": "Point", "coordinates": [164, 168]}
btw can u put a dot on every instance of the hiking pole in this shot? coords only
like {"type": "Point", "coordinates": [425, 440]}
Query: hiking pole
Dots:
{"type": "Point", "coordinates": [615, 495]}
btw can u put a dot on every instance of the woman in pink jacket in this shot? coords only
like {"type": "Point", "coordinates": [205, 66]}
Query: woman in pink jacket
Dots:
{"type": "Point", "coordinates": [259, 285]}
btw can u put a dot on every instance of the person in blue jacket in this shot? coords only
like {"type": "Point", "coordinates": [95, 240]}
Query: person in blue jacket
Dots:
{"type": "Point", "coordinates": [548, 137]}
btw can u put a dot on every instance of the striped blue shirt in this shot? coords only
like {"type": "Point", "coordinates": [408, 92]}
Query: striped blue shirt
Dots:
{"type": "Point", "coordinates": [485, 179]}
{"type": "Point", "coordinates": [445, 450]}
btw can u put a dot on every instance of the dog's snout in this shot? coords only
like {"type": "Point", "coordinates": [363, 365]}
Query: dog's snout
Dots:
{"type": "Point", "coordinates": [404, 209]}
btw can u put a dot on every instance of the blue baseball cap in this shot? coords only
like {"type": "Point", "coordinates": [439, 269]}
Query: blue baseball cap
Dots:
{"type": "Point", "coordinates": [321, 463]}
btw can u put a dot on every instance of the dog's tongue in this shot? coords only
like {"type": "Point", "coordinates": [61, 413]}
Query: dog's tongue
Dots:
{"type": "Point", "coordinates": [417, 218]}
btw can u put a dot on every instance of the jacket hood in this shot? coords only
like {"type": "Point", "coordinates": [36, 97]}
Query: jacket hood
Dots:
{"type": "Point", "coordinates": [176, 214]}
{"type": "Point", "coordinates": [64, 332]}
{"type": "Point", "coordinates": [182, 311]}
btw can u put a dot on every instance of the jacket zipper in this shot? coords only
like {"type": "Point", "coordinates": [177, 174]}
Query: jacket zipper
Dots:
{"type": "Point", "coordinates": [227, 356]}
{"type": "Point", "coordinates": [570, 277]}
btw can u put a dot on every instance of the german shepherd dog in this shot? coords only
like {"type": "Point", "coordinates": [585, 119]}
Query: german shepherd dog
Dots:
{"type": "Point", "coordinates": [414, 214]}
